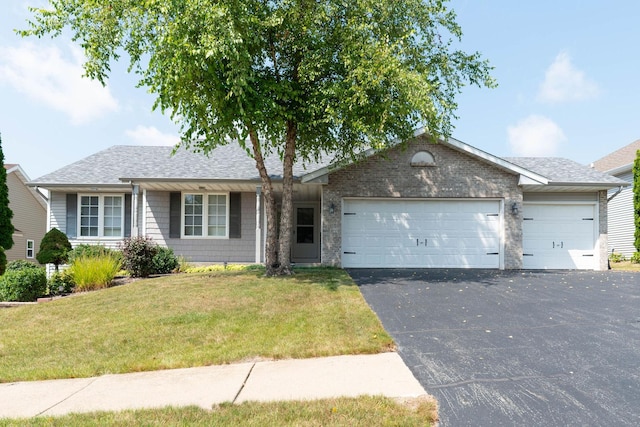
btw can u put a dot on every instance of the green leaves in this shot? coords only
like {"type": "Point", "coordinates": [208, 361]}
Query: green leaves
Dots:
{"type": "Point", "coordinates": [349, 72]}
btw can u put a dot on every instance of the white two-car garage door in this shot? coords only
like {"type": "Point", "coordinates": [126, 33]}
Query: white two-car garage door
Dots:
{"type": "Point", "coordinates": [421, 233]}
{"type": "Point", "coordinates": [559, 236]}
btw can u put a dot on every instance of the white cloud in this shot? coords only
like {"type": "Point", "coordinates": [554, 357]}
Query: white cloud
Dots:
{"type": "Point", "coordinates": [149, 135]}
{"type": "Point", "coordinates": [535, 136]}
{"type": "Point", "coordinates": [564, 83]}
{"type": "Point", "coordinates": [44, 75]}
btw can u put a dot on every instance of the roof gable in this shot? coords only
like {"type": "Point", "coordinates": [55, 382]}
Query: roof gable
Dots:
{"type": "Point", "coordinates": [460, 146]}
{"type": "Point", "coordinates": [619, 159]}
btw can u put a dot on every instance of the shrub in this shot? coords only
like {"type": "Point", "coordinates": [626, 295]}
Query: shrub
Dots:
{"type": "Point", "coordinates": [615, 257]}
{"type": "Point", "coordinates": [165, 261]}
{"type": "Point", "coordinates": [635, 258]}
{"type": "Point", "coordinates": [23, 284]}
{"type": "Point", "coordinates": [137, 256]}
{"type": "Point", "coordinates": [94, 272]}
{"type": "Point", "coordinates": [20, 264]}
{"type": "Point", "coordinates": [91, 251]}
{"type": "Point", "coordinates": [60, 283]}
{"type": "Point", "coordinates": [183, 264]}
{"type": "Point", "coordinates": [3, 261]}
{"type": "Point", "coordinates": [54, 248]}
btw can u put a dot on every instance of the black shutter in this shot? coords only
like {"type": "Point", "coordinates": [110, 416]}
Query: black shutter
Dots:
{"type": "Point", "coordinates": [127, 215]}
{"type": "Point", "coordinates": [175, 205]}
{"type": "Point", "coordinates": [72, 216]}
{"type": "Point", "coordinates": [234, 215]}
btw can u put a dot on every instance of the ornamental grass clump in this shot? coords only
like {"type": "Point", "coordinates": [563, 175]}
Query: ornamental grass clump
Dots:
{"type": "Point", "coordinates": [94, 272]}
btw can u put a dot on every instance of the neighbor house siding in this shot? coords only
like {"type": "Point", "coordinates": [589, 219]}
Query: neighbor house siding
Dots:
{"type": "Point", "coordinates": [241, 249]}
{"type": "Point", "coordinates": [29, 218]}
{"type": "Point", "coordinates": [621, 221]}
{"type": "Point", "coordinates": [454, 175]}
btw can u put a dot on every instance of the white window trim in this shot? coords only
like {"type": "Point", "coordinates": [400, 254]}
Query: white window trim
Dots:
{"type": "Point", "coordinates": [32, 249]}
{"type": "Point", "coordinates": [205, 214]}
{"type": "Point", "coordinates": [100, 235]}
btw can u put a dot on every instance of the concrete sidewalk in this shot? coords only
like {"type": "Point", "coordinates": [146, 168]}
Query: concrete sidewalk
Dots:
{"type": "Point", "coordinates": [298, 379]}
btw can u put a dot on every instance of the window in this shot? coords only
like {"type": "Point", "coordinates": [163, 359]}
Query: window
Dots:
{"type": "Point", "coordinates": [423, 158]}
{"type": "Point", "coordinates": [101, 216]}
{"type": "Point", "coordinates": [30, 248]}
{"type": "Point", "coordinates": [205, 215]}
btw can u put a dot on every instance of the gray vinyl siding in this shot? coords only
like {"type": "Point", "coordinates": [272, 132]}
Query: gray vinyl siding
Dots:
{"type": "Point", "coordinates": [58, 208]}
{"type": "Point", "coordinates": [203, 249]}
{"type": "Point", "coordinates": [29, 217]}
{"type": "Point", "coordinates": [621, 227]}
{"type": "Point", "coordinates": [58, 218]}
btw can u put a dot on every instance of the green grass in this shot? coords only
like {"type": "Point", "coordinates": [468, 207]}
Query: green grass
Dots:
{"type": "Point", "coordinates": [189, 320]}
{"type": "Point", "coordinates": [625, 266]}
{"type": "Point", "coordinates": [364, 411]}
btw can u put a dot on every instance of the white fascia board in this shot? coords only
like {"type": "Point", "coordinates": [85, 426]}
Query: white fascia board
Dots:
{"type": "Point", "coordinates": [620, 169]}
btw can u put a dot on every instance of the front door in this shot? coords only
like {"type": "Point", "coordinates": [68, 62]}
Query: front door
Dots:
{"type": "Point", "coordinates": [306, 233]}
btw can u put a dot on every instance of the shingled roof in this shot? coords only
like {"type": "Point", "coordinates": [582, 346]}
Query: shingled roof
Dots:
{"type": "Point", "coordinates": [110, 166]}
{"type": "Point", "coordinates": [563, 171]}
{"type": "Point", "coordinates": [117, 165]}
{"type": "Point", "coordinates": [619, 158]}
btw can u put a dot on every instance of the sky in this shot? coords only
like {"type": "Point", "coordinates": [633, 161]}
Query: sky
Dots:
{"type": "Point", "coordinates": [567, 74]}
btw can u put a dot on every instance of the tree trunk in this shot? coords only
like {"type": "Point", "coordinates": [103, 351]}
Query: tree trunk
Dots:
{"type": "Point", "coordinates": [271, 262]}
{"type": "Point", "coordinates": [286, 218]}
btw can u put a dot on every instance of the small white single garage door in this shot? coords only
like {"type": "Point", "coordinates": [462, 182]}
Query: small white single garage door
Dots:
{"type": "Point", "coordinates": [421, 233]}
{"type": "Point", "coordinates": [559, 236]}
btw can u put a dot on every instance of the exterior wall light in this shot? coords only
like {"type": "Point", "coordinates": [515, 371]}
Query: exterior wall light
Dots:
{"type": "Point", "coordinates": [332, 208]}
{"type": "Point", "coordinates": [514, 208]}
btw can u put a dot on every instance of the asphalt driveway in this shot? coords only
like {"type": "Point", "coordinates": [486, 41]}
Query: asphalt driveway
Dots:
{"type": "Point", "coordinates": [500, 348]}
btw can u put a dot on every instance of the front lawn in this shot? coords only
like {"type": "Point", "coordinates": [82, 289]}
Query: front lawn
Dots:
{"type": "Point", "coordinates": [189, 320]}
{"type": "Point", "coordinates": [363, 411]}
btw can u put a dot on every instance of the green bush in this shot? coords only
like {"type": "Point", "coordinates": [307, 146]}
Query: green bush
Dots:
{"type": "Point", "coordinates": [3, 261]}
{"type": "Point", "coordinates": [635, 258]}
{"type": "Point", "coordinates": [20, 264]}
{"type": "Point", "coordinates": [60, 283]}
{"type": "Point", "coordinates": [165, 261]}
{"type": "Point", "coordinates": [94, 272]}
{"type": "Point", "coordinates": [137, 256]}
{"type": "Point", "coordinates": [23, 284]}
{"type": "Point", "coordinates": [183, 264]}
{"type": "Point", "coordinates": [91, 251]}
{"type": "Point", "coordinates": [615, 257]}
{"type": "Point", "coordinates": [54, 248]}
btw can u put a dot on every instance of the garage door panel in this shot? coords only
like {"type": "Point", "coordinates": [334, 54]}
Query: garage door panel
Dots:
{"type": "Point", "coordinates": [559, 236]}
{"type": "Point", "coordinates": [450, 234]}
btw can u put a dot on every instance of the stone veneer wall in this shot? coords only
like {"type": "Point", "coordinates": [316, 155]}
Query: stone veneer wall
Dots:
{"type": "Point", "coordinates": [454, 175]}
{"type": "Point", "coordinates": [603, 235]}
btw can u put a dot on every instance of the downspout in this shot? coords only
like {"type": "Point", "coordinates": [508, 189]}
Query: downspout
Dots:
{"type": "Point", "coordinates": [258, 226]}
{"type": "Point", "coordinates": [615, 194]}
{"type": "Point", "coordinates": [46, 199]}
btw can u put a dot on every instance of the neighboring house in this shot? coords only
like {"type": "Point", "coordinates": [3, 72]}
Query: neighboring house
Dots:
{"type": "Point", "coordinates": [621, 224]}
{"type": "Point", "coordinates": [29, 215]}
{"type": "Point", "coordinates": [421, 205]}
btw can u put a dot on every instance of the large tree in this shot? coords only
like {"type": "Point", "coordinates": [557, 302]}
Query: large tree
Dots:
{"type": "Point", "coordinates": [292, 77]}
{"type": "Point", "coordinates": [6, 227]}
